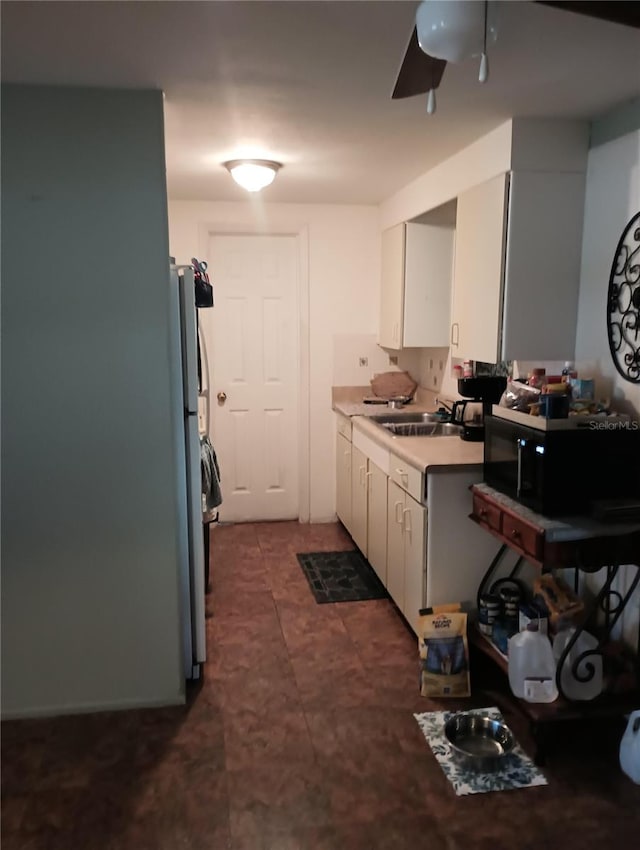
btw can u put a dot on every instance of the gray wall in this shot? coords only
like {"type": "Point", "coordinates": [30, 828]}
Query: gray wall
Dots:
{"type": "Point", "coordinates": [90, 613]}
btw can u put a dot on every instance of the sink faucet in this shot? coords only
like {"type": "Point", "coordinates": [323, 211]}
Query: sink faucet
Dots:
{"type": "Point", "coordinates": [447, 405]}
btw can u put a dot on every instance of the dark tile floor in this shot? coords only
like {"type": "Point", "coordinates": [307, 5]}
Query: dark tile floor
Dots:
{"type": "Point", "coordinates": [301, 737]}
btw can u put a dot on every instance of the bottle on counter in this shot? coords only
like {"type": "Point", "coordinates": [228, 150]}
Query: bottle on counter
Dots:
{"type": "Point", "coordinates": [467, 369]}
{"type": "Point", "coordinates": [537, 377]}
{"type": "Point", "coordinates": [630, 748]}
{"type": "Point", "coordinates": [532, 667]}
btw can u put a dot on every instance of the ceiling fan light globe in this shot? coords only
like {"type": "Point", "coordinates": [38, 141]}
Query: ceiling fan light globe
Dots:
{"type": "Point", "coordinates": [483, 74]}
{"type": "Point", "coordinates": [453, 30]}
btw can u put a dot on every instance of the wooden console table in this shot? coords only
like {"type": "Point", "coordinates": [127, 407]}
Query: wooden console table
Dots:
{"type": "Point", "coordinates": [577, 543]}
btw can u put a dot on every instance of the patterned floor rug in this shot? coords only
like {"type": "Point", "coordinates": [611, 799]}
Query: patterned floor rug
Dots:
{"type": "Point", "coordinates": [519, 770]}
{"type": "Point", "coordinates": [340, 577]}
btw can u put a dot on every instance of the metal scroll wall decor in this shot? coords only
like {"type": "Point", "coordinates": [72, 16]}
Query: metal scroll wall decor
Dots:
{"type": "Point", "coordinates": [623, 310]}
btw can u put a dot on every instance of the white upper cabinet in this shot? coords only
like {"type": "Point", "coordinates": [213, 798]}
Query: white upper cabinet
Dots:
{"type": "Point", "coordinates": [392, 287]}
{"type": "Point", "coordinates": [415, 298]}
{"type": "Point", "coordinates": [478, 271]}
{"type": "Point", "coordinates": [517, 267]}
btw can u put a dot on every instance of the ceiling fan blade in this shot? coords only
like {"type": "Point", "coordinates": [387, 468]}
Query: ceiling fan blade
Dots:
{"type": "Point", "coordinates": [626, 12]}
{"type": "Point", "coordinates": [419, 72]}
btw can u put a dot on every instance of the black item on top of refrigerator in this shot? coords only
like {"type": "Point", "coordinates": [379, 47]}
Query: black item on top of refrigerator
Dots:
{"type": "Point", "coordinates": [203, 288]}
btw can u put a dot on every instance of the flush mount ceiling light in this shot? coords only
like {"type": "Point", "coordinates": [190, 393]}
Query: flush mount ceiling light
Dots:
{"type": "Point", "coordinates": [253, 174]}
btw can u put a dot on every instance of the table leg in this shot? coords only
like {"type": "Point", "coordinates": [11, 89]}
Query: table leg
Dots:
{"type": "Point", "coordinates": [493, 566]}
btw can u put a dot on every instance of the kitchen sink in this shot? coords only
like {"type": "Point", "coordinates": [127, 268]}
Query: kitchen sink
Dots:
{"type": "Point", "coordinates": [408, 418]}
{"type": "Point", "coordinates": [422, 429]}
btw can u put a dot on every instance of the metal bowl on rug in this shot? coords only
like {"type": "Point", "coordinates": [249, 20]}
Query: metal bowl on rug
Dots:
{"type": "Point", "coordinates": [478, 742]}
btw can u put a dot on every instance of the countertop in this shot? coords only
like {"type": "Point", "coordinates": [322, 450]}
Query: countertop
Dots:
{"type": "Point", "coordinates": [429, 454]}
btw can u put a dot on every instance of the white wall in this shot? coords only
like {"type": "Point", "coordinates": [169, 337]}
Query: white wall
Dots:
{"type": "Point", "coordinates": [343, 268]}
{"type": "Point", "coordinates": [612, 198]}
{"type": "Point", "coordinates": [480, 161]}
{"type": "Point", "coordinates": [90, 615]}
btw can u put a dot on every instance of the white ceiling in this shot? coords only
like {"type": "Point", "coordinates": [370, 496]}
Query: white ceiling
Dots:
{"type": "Point", "coordinates": [308, 83]}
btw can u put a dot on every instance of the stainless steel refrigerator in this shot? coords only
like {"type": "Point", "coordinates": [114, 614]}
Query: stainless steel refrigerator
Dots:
{"type": "Point", "coordinates": [184, 366]}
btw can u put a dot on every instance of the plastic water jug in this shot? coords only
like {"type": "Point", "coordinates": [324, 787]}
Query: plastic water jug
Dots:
{"type": "Point", "coordinates": [630, 748]}
{"type": "Point", "coordinates": [532, 668]}
{"type": "Point", "coordinates": [572, 687]}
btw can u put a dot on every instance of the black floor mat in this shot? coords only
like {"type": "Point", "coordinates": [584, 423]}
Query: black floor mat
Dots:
{"type": "Point", "coordinates": [340, 577]}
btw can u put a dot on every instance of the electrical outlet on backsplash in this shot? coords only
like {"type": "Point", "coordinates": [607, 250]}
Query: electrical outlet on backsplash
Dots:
{"type": "Point", "coordinates": [432, 366]}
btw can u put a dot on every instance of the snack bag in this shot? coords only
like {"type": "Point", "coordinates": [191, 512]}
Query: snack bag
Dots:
{"type": "Point", "coordinates": [444, 654]}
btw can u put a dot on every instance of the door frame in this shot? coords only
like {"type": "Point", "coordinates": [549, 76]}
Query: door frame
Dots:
{"type": "Point", "coordinates": [300, 232]}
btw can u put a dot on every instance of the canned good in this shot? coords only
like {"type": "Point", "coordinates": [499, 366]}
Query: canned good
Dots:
{"type": "Point", "coordinates": [510, 599]}
{"type": "Point", "coordinates": [488, 612]}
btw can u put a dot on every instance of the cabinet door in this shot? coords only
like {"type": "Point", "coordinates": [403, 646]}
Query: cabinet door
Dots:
{"type": "Point", "coordinates": [343, 481]}
{"type": "Point", "coordinates": [479, 271]}
{"type": "Point", "coordinates": [377, 521]}
{"type": "Point", "coordinates": [415, 559]}
{"type": "Point", "coordinates": [359, 499]}
{"type": "Point", "coordinates": [395, 543]}
{"type": "Point", "coordinates": [427, 286]}
{"type": "Point", "coordinates": [392, 287]}
{"type": "Point", "coordinates": [543, 249]}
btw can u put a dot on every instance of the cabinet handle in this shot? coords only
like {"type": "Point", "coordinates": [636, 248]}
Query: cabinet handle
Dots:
{"type": "Point", "coordinates": [457, 334]}
{"type": "Point", "coordinates": [482, 512]}
{"type": "Point", "coordinates": [362, 475]}
{"type": "Point", "coordinates": [402, 473]}
{"type": "Point", "coordinates": [407, 525]}
{"type": "Point", "coordinates": [515, 534]}
{"type": "Point", "coordinates": [368, 474]}
{"type": "Point", "coordinates": [399, 516]}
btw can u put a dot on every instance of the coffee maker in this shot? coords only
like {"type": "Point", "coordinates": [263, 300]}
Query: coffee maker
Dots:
{"type": "Point", "coordinates": [484, 391]}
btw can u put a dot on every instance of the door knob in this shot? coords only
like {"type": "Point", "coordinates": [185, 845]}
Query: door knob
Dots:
{"type": "Point", "coordinates": [222, 397]}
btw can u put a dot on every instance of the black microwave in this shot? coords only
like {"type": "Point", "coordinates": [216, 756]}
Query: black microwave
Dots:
{"type": "Point", "coordinates": [563, 471]}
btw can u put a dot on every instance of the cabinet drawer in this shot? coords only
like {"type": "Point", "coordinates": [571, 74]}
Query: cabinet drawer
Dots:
{"type": "Point", "coordinates": [343, 424]}
{"type": "Point", "coordinates": [486, 512]}
{"type": "Point", "coordinates": [527, 537]}
{"type": "Point", "coordinates": [406, 476]}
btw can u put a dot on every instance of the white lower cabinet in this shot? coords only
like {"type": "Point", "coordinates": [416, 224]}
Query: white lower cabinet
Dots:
{"type": "Point", "coordinates": [414, 521]}
{"type": "Point", "coordinates": [406, 552]}
{"type": "Point", "coordinates": [377, 521]}
{"type": "Point", "coordinates": [343, 480]}
{"type": "Point", "coordinates": [411, 526]}
{"type": "Point", "coordinates": [376, 505]}
{"type": "Point", "coordinates": [395, 544]}
{"type": "Point", "coordinates": [359, 500]}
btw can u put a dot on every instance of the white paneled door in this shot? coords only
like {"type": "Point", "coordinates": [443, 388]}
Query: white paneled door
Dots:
{"type": "Point", "coordinates": [251, 341]}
